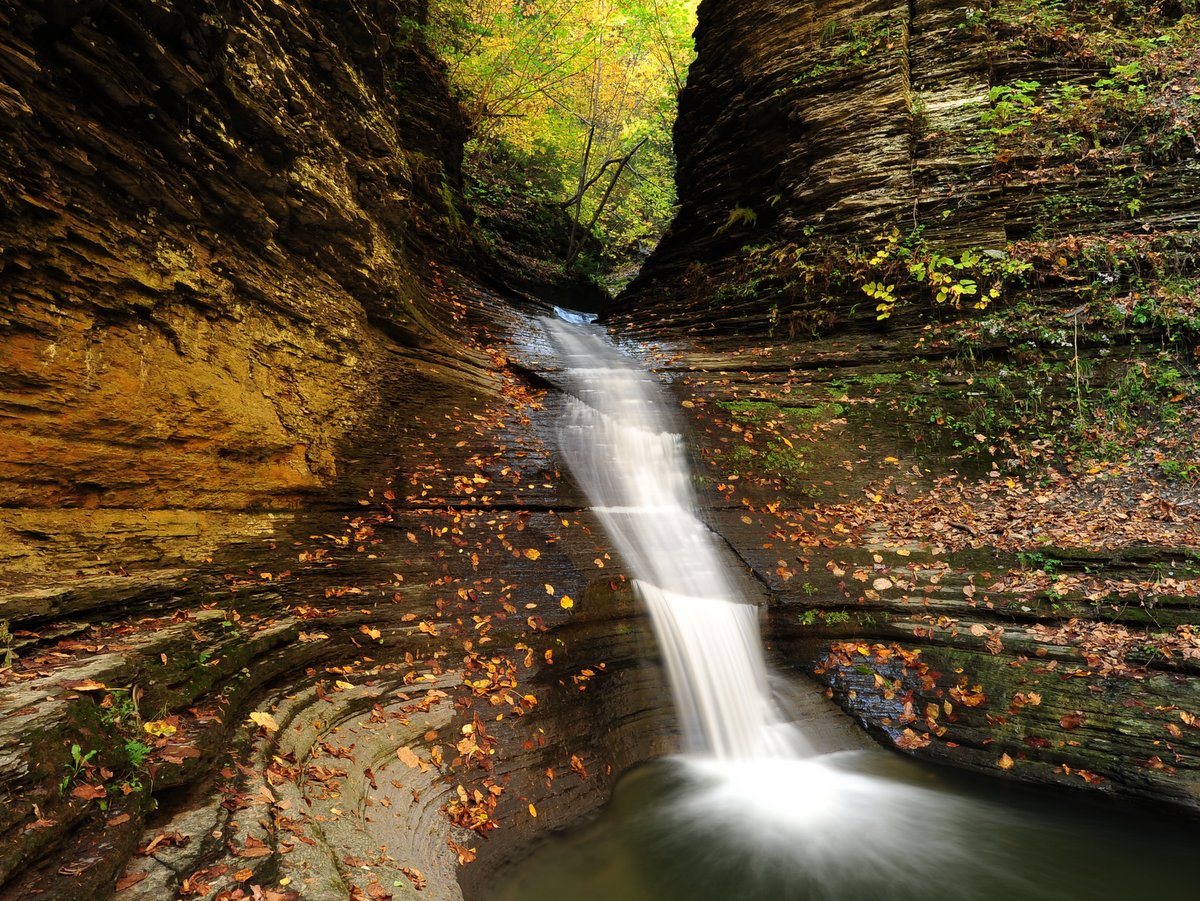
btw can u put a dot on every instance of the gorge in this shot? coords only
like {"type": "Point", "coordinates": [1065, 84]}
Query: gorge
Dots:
{"type": "Point", "coordinates": [298, 597]}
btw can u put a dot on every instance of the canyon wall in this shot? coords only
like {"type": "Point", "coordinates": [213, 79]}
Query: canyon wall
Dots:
{"type": "Point", "coordinates": [219, 226]}
{"type": "Point", "coordinates": [824, 147]}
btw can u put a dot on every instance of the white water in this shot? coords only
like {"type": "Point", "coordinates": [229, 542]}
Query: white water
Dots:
{"type": "Point", "coordinates": [618, 443]}
{"type": "Point", "coordinates": [750, 813]}
{"type": "Point", "coordinates": [759, 797]}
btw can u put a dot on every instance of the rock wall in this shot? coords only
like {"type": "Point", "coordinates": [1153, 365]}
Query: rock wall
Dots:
{"type": "Point", "coordinates": [215, 232]}
{"type": "Point", "coordinates": [809, 134]}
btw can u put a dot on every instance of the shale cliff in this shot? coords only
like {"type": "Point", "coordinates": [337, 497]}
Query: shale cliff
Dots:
{"type": "Point", "coordinates": [216, 223]}
{"type": "Point", "coordinates": [825, 147]}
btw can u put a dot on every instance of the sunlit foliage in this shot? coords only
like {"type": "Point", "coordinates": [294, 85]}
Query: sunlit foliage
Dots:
{"type": "Point", "coordinates": [581, 91]}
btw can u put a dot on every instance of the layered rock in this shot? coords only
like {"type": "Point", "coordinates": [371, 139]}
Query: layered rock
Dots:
{"type": "Point", "coordinates": [215, 231]}
{"type": "Point", "coordinates": [826, 147]}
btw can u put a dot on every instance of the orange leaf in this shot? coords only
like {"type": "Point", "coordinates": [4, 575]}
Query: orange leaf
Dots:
{"type": "Point", "coordinates": [89, 792]}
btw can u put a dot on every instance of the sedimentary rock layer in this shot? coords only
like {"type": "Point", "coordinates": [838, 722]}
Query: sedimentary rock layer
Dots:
{"type": "Point", "coordinates": [214, 222]}
{"type": "Point", "coordinates": [809, 133]}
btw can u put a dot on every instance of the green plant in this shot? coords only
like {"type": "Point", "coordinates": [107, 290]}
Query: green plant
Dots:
{"type": "Point", "coordinates": [1038, 560]}
{"type": "Point", "coordinates": [137, 751]}
{"type": "Point", "coordinates": [828, 617]}
{"type": "Point", "coordinates": [862, 43]}
{"type": "Point", "coordinates": [1181, 470]}
{"type": "Point", "coordinates": [739, 215]}
{"type": "Point", "coordinates": [1012, 107]}
{"type": "Point", "coordinates": [78, 764]}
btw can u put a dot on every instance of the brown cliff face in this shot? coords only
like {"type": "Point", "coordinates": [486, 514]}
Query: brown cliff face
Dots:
{"type": "Point", "coordinates": [213, 243]}
{"type": "Point", "coordinates": [1057, 136]}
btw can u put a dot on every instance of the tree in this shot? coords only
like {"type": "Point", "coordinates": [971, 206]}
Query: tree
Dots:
{"type": "Point", "coordinates": [584, 89]}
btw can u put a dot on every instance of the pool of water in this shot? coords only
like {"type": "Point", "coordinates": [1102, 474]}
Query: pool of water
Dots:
{"type": "Point", "coordinates": [852, 826]}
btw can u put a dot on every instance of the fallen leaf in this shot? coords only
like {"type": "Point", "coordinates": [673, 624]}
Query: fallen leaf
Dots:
{"type": "Point", "coordinates": [532, 553]}
{"type": "Point", "coordinates": [566, 603]}
{"type": "Point", "coordinates": [159, 728]}
{"type": "Point", "coordinates": [259, 718]}
{"type": "Point", "coordinates": [465, 855]}
{"type": "Point", "coordinates": [84, 685]}
{"type": "Point", "coordinates": [1005, 762]}
{"type": "Point", "coordinates": [87, 792]}
{"type": "Point", "coordinates": [414, 876]}
{"type": "Point", "coordinates": [129, 880]}
{"type": "Point", "coordinates": [913, 741]}
{"type": "Point", "coordinates": [408, 758]}
{"type": "Point", "coordinates": [1071, 721]}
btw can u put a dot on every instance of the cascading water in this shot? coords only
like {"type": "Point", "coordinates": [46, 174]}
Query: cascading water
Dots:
{"type": "Point", "coordinates": [633, 468]}
{"type": "Point", "coordinates": [750, 812]}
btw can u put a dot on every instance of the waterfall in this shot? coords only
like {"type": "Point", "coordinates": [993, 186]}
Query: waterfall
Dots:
{"type": "Point", "coordinates": [753, 811]}
{"type": "Point", "coordinates": [619, 443]}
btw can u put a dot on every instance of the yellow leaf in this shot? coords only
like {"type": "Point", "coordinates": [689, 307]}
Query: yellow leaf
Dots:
{"type": "Point", "coordinates": [549, 588]}
{"type": "Point", "coordinates": [532, 553]}
{"type": "Point", "coordinates": [1005, 762]}
{"type": "Point", "coordinates": [342, 685]}
{"type": "Point", "coordinates": [159, 728]}
{"type": "Point", "coordinates": [258, 718]}
{"type": "Point", "coordinates": [85, 685]}
{"type": "Point", "coordinates": [566, 603]}
{"type": "Point", "coordinates": [532, 810]}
